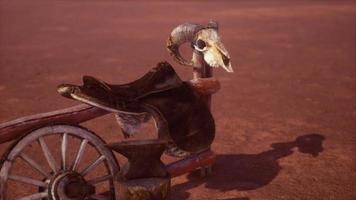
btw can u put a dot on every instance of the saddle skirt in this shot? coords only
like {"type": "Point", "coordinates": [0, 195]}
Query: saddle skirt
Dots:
{"type": "Point", "coordinates": [181, 115]}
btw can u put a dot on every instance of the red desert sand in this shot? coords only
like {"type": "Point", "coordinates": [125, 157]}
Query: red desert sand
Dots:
{"type": "Point", "coordinates": [285, 120]}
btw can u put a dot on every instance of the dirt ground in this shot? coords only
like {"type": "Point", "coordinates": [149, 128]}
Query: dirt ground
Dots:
{"type": "Point", "coordinates": [295, 77]}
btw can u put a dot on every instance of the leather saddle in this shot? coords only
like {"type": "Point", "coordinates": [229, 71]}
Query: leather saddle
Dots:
{"type": "Point", "coordinates": [181, 115]}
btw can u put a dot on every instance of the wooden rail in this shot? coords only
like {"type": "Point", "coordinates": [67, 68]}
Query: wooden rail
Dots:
{"type": "Point", "coordinates": [74, 115]}
{"type": "Point", "coordinates": [191, 163]}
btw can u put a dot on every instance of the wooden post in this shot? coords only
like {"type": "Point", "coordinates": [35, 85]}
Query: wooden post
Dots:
{"type": "Point", "coordinates": [201, 70]}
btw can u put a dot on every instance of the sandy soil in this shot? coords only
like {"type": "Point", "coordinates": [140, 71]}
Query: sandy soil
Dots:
{"type": "Point", "coordinates": [295, 76]}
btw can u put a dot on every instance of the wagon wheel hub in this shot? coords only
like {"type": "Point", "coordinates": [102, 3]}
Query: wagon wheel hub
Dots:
{"type": "Point", "coordinates": [70, 186]}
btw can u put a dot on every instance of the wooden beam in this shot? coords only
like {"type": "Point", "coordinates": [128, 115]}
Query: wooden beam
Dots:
{"type": "Point", "coordinates": [73, 115]}
{"type": "Point", "coordinates": [191, 163]}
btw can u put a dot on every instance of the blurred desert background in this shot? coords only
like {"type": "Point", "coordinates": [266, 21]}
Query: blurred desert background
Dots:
{"type": "Point", "coordinates": [295, 76]}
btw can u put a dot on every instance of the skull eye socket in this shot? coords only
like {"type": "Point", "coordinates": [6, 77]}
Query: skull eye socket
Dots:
{"type": "Point", "coordinates": [200, 44]}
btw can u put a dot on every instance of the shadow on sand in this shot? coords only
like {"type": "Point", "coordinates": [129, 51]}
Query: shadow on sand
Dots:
{"type": "Point", "coordinates": [249, 171]}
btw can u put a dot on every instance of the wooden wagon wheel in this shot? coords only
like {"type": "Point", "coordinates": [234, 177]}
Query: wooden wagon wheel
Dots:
{"type": "Point", "coordinates": [64, 179]}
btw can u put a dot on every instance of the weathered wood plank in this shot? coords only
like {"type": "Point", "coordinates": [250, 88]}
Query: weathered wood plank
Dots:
{"type": "Point", "coordinates": [191, 163]}
{"type": "Point", "coordinates": [73, 115]}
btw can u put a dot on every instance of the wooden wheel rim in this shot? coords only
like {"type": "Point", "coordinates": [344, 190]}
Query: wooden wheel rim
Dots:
{"type": "Point", "coordinates": [76, 131]}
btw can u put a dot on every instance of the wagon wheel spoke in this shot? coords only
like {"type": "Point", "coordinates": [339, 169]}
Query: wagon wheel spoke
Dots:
{"type": "Point", "coordinates": [34, 164]}
{"type": "Point", "coordinates": [80, 154]}
{"type": "Point", "coordinates": [64, 150]}
{"type": "Point", "coordinates": [35, 196]}
{"type": "Point", "coordinates": [99, 179]}
{"type": "Point", "coordinates": [28, 180]}
{"type": "Point", "coordinates": [50, 159]}
{"type": "Point", "coordinates": [92, 165]}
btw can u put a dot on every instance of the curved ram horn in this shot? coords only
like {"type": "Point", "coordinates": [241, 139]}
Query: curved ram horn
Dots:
{"type": "Point", "coordinates": [181, 34]}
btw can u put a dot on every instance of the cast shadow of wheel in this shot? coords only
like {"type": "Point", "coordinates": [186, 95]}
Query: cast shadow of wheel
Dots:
{"type": "Point", "coordinates": [249, 171]}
